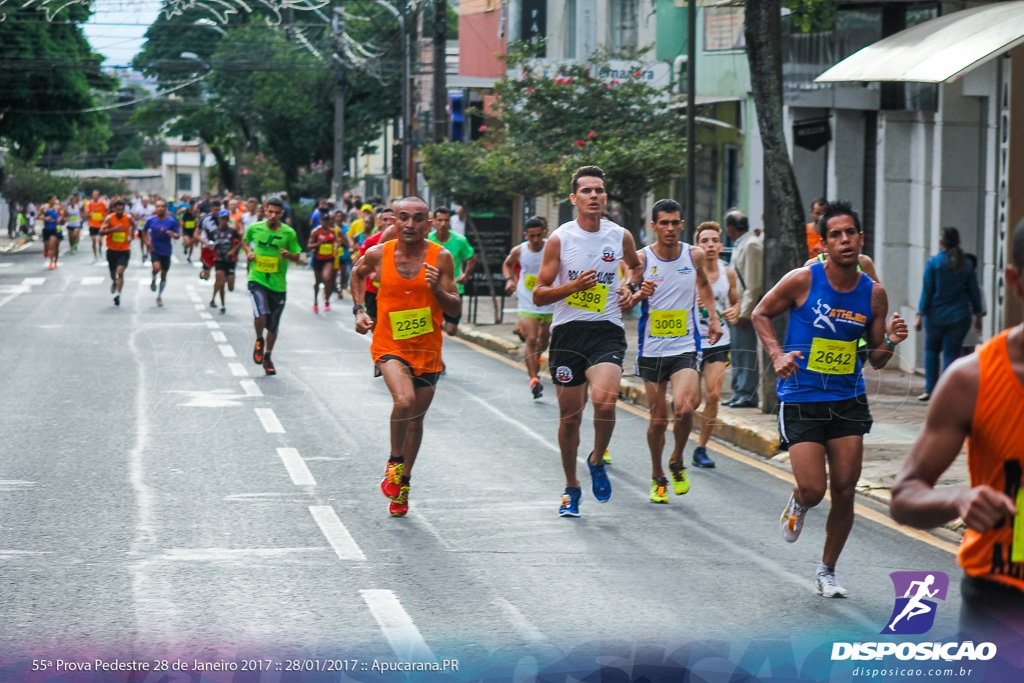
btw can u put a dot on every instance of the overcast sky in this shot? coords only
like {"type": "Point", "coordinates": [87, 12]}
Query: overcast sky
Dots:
{"type": "Point", "coordinates": [117, 28]}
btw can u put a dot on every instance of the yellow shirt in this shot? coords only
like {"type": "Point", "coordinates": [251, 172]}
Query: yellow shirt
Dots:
{"type": "Point", "coordinates": [356, 227]}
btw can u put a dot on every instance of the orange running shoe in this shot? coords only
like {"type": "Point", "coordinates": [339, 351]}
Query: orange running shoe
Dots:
{"type": "Point", "coordinates": [391, 484]}
{"type": "Point", "coordinates": [257, 352]}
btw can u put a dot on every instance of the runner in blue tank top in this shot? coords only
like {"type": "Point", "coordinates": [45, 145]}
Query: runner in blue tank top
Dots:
{"type": "Point", "coordinates": [823, 410]}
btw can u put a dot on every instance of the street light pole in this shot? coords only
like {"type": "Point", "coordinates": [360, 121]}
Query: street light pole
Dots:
{"type": "Point", "coordinates": [339, 103]}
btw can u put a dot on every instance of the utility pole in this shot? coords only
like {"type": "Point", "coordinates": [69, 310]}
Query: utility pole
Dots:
{"type": "Point", "coordinates": [691, 120]}
{"type": "Point", "coordinates": [440, 77]}
{"type": "Point", "coordinates": [339, 101]}
{"type": "Point", "coordinates": [407, 36]}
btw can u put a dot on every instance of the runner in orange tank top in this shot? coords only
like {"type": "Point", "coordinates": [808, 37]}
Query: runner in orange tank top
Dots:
{"type": "Point", "coordinates": [118, 228]}
{"type": "Point", "coordinates": [980, 398]}
{"type": "Point", "coordinates": [417, 285]}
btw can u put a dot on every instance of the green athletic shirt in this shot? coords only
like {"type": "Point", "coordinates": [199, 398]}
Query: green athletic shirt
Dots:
{"type": "Point", "coordinates": [269, 269]}
{"type": "Point", "coordinates": [458, 247]}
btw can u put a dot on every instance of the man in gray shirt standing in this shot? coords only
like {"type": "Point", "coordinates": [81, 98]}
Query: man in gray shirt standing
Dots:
{"type": "Point", "coordinates": [748, 261]}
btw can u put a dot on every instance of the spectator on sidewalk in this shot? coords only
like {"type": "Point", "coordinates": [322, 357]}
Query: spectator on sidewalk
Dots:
{"type": "Point", "coordinates": [949, 296]}
{"type": "Point", "coordinates": [748, 262]}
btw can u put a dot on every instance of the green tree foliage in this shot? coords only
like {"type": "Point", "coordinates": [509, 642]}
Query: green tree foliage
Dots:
{"type": "Point", "coordinates": [259, 175]}
{"type": "Point", "coordinates": [27, 183]}
{"type": "Point", "coordinates": [259, 89]}
{"type": "Point", "coordinates": [557, 116]}
{"type": "Point", "coordinates": [128, 157]}
{"type": "Point", "coordinates": [47, 76]}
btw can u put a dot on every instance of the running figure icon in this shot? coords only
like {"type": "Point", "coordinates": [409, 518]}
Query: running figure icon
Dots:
{"type": "Point", "coordinates": [914, 606]}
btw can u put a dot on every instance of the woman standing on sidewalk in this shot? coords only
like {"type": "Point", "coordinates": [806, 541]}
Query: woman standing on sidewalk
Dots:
{"type": "Point", "coordinates": [949, 296]}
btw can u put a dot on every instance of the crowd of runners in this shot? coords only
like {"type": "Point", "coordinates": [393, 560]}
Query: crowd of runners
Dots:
{"type": "Point", "coordinates": [405, 269]}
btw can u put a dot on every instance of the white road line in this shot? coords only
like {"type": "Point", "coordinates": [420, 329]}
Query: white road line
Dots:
{"type": "Point", "coordinates": [200, 307]}
{"type": "Point", "coordinates": [219, 336]}
{"type": "Point", "coordinates": [227, 351]}
{"type": "Point", "coordinates": [175, 260]}
{"type": "Point", "coordinates": [213, 324]}
{"type": "Point", "coordinates": [6, 265]}
{"type": "Point", "coordinates": [190, 288]}
{"type": "Point", "coordinates": [270, 422]}
{"type": "Point", "coordinates": [545, 441]}
{"type": "Point", "coordinates": [33, 281]}
{"type": "Point", "coordinates": [206, 316]}
{"type": "Point", "coordinates": [9, 297]}
{"type": "Point", "coordinates": [237, 369]}
{"type": "Point", "coordinates": [397, 625]}
{"type": "Point", "coordinates": [98, 280]}
{"type": "Point", "coordinates": [296, 466]}
{"type": "Point", "coordinates": [250, 388]}
{"type": "Point", "coordinates": [337, 535]}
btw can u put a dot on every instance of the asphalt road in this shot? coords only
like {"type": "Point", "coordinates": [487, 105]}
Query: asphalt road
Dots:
{"type": "Point", "coordinates": [160, 497]}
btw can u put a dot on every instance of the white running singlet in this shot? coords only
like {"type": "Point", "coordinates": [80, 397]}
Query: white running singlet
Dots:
{"type": "Point", "coordinates": [529, 266]}
{"type": "Point", "coordinates": [668, 318]}
{"type": "Point", "coordinates": [74, 215]}
{"type": "Point", "coordinates": [721, 289]}
{"type": "Point", "coordinates": [582, 251]}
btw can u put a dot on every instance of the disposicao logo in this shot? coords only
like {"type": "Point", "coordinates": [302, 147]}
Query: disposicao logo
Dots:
{"type": "Point", "coordinates": [916, 592]}
{"type": "Point", "coordinates": [914, 614]}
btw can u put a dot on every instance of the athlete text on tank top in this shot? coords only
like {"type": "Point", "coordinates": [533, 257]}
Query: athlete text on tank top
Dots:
{"type": "Point", "coordinates": [668, 318]}
{"type": "Point", "coordinates": [581, 251]}
{"type": "Point", "coordinates": [529, 267]}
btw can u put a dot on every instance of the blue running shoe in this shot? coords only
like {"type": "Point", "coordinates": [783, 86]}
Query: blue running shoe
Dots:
{"type": "Point", "coordinates": [601, 486]}
{"type": "Point", "coordinates": [701, 459]}
{"type": "Point", "coordinates": [571, 502]}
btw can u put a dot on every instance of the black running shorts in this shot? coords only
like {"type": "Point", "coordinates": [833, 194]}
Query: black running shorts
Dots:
{"type": "Point", "coordinates": [267, 302]}
{"type": "Point", "coordinates": [719, 354]}
{"type": "Point", "coordinates": [822, 421]}
{"type": "Point", "coordinates": [371, 304]}
{"type": "Point", "coordinates": [118, 258]}
{"type": "Point", "coordinates": [577, 346]}
{"type": "Point", "coordinates": [226, 266]}
{"type": "Point", "coordinates": [421, 381]}
{"type": "Point", "coordinates": [164, 261]}
{"type": "Point", "coordinates": [659, 369]}
{"type": "Point", "coordinates": [95, 232]}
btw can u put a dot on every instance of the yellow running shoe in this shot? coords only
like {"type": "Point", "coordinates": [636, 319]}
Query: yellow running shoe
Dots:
{"type": "Point", "coordinates": [659, 490]}
{"type": "Point", "coordinates": [680, 482]}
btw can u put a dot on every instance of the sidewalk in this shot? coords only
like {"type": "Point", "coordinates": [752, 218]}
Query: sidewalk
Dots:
{"type": "Point", "coordinates": [898, 416]}
{"type": "Point", "coordinates": [8, 244]}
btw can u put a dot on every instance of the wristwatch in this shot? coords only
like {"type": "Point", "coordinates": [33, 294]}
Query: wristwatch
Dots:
{"type": "Point", "coordinates": [356, 309]}
{"type": "Point", "coordinates": [633, 287]}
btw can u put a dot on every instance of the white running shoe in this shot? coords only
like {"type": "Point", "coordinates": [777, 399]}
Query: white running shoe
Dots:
{"type": "Point", "coordinates": [828, 588]}
{"type": "Point", "coordinates": [792, 520]}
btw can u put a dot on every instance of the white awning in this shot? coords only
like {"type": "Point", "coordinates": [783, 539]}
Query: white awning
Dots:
{"type": "Point", "coordinates": [937, 51]}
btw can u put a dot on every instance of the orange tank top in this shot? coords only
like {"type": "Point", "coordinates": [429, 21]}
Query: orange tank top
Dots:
{"type": "Point", "coordinates": [408, 315]}
{"type": "Point", "coordinates": [96, 211]}
{"type": "Point", "coordinates": [120, 240]}
{"type": "Point", "coordinates": [994, 458]}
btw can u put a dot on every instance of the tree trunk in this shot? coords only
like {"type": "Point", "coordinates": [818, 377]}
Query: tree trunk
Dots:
{"type": "Point", "coordinates": [487, 268]}
{"type": "Point", "coordinates": [632, 218]}
{"type": "Point", "coordinates": [783, 218]}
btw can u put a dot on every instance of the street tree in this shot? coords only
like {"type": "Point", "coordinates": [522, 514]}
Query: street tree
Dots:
{"type": "Point", "coordinates": [577, 113]}
{"type": "Point", "coordinates": [784, 231]}
{"type": "Point", "coordinates": [48, 74]}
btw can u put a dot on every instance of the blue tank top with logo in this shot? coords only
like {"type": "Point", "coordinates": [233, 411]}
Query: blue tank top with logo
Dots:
{"type": "Point", "coordinates": [826, 329]}
{"type": "Point", "coordinates": [50, 219]}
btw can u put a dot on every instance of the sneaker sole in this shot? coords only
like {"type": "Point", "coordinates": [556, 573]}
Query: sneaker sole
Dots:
{"type": "Point", "coordinates": [660, 502]}
{"type": "Point", "coordinates": [568, 513]}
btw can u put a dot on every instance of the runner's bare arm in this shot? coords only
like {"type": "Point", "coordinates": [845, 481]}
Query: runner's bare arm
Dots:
{"type": "Point", "coordinates": [915, 500]}
{"type": "Point", "coordinates": [365, 267]}
{"type": "Point", "coordinates": [733, 311]}
{"type": "Point", "coordinates": [896, 328]}
{"type": "Point", "coordinates": [106, 228]}
{"type": "Point", "coordinates": [790, 291]}
{"type": "Point", "coordinates": [868, 267]}
{"type": "Point", "coordinates": [646, 287]}
{"type": "Point", "coordinates": [632, 261]}
{"type": "Point", "coordinates": [707, 296]}
{"type": "Point", "coordinates": [442, 284]}
{"type": "Point", "coordinates": [314, 239]}
{"type": "Point", "coordinates": [508, 269]}
{"type": "Point", "coordinates": [467, 270]}
{"type": "Point", "coordinates": [544, 292]}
